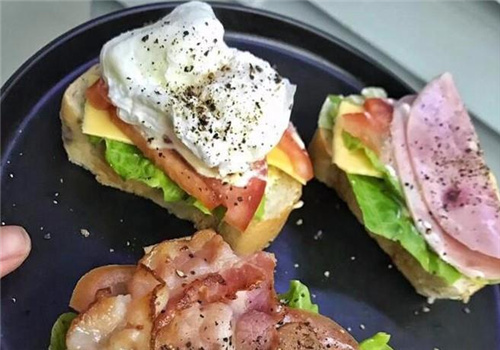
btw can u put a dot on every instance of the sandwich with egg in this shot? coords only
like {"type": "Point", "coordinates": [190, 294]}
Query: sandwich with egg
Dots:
{"type": "Point", "coordinates": [413, 173]}
{"type": "Point", "coordinates": [173, 114]}
{"type": "Point", "coordinates": [196, 293]}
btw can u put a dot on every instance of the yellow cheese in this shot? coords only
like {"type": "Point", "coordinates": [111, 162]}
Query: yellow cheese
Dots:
{"type": "Point", "coordinates": [279, 159]}
{"type": "Point", "coordinates": [97, 122]}
{"type": "Point", "coordinates": [352, 162]}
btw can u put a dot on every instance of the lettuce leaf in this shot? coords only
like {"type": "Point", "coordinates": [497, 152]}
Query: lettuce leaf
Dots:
{"type": "Point", "coordinates": [298, 297]}
{"type": "Point", "coordinates": [329, 111]}
{"type": "Point", "coordinates": [94, 139]}
{"type": "Point", "coordinates": [383, 205]}
{"type": "Point", "coordinates": [59, 330]}
{"type": "Point", "coordinates": [353, 143]}
{"type": "Point", "coordinates": [379, 341]}
{"type": "Point", "coordinates": [261, 209]}
{"type": "Point", "coordinates": [384, 215]}
{"type": "Point", "coordinates": [128, 162]}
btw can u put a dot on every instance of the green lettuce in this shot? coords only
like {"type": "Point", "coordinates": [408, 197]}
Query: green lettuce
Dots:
{"type": "Point", "coordinates": [128, 162]}
{"type": "Point", "coordinates": [261, 209]}
{"type": "Point", "coordinates": [379, 341]}
{"type": "Point", "coordinates": [383, 215]}
{"type": "Point", "coordinates": [329, 111]}
{"type": "Point", "coordinates": [59, 330]}
{"type": "Point", "coordinates": [383, 205]}
{"type": "Point", "coordinates": [298, 297]}
{"type": "Point", "coordinates": [353, 143]}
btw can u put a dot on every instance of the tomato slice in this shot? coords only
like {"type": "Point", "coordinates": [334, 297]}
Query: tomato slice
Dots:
{"type": "Point", "coordinates": [372, 126]}
{"type": "Point", "coordinates": [97, 94]}
{"type": "Point", "coordinates": [301, 161]}
{"type": "Point", "coordinates": [381, 113]}
{"type": "Point", "coordinates": [173, 165]}
{"type": "Point", "coordinates": [242, 202]}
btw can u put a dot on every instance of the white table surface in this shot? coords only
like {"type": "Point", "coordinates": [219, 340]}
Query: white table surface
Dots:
{"type": "Point", "coordinates": [26, 26]}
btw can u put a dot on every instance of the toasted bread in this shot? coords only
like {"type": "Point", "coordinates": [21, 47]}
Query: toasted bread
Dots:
{"type": "Point", "coordinates": [425, 283]}
{"type": "Point", "coordinates": [282, 192]}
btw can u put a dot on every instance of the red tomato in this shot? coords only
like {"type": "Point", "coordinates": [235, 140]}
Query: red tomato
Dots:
{"type": "Point", "coordinates": [297, 154]}
{"type": "Point", "coordinates": [372, 126]}
{"type": "Point", "coordinates": [242, 202]}
{"type": "Point", "coordinates": [173, 165]}
{"type": "Point", "coordinates": [97, 94]}
{"type": "Point", "coordinates": [381, 113]}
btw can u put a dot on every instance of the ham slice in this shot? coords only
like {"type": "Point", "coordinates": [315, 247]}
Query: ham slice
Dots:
{"type": "Point", "coordinates": [195, 293]}
{"type": "Point", "coordinates": [467, 261]}
{"type": "Point", "coordinates": [450, 170]}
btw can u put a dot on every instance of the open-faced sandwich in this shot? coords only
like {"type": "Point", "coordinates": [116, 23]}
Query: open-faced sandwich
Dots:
{"type": "Point", "coordinates": [196, 293]}
{"type": "Point", "coordinates": [173, 114]}
{"type": "Point", "coordinates": [413, 172]}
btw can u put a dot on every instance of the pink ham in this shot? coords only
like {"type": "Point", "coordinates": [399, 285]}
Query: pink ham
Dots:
{"type": "Point", "coordinates": [450, 169]}
{"type": "Point", "coordinates": [467, 261]}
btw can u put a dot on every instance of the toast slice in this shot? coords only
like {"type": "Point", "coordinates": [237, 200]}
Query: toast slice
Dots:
{"type": "Point", "coordinates": [282, 191]}
{"type": "Point", "coordinates": [425, 283]}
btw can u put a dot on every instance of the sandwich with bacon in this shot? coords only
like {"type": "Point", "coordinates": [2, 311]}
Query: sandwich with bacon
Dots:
{"type": "Point", "coordinates": [413, 173]}
{"type": "Point", "coordinates": [173, 114]}
{"type": "Point", "coordinates": [196, 293]}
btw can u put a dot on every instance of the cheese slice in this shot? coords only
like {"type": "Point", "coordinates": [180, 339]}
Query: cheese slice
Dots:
{"type": "Point", "coordinates": [279, 159]}
{"type": "Point", "coordinates": [352, 162]}
{"type": "Point", "coordinates": [97, 122]}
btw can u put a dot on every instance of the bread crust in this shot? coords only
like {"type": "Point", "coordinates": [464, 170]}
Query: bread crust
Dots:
{"type": "Point", "coordinates": [426, 284]}
{"type": "Point", "coordinates": [282, 194]}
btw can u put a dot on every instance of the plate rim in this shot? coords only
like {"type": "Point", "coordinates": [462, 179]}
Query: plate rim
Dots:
{"type": "Point", "coordinates": [62, 38]}
{"type": "Point", "coordinates": [38, 56]}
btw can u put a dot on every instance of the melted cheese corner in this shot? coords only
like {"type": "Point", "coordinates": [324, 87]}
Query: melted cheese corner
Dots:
{"type": "Point", "coordinates": [352, 162]}
{"type": "Point", "coordinates": [280, 160]}
{"type": "Point", "coordinates": [96, 122]}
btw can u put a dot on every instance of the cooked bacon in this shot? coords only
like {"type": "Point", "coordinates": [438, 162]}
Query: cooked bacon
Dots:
{"type": "Point", "coordinates": [256, 330]}
{"type": "Point", "coordinates": [92, 329]}
{"type": "Point", "coordinates": [228, 302]}
{"type": "Point", "coordinates": [111, 280]}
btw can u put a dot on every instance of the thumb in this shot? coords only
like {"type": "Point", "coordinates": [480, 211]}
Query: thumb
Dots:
{"type": "Point", "coordinates": [15, 246]}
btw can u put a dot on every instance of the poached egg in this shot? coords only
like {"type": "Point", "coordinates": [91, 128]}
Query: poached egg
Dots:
{"type": "Point", "coordinates": [179, 83]}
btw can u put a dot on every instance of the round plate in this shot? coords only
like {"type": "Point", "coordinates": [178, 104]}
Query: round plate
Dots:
{"type": "Point", "coordinates": [53, 198]}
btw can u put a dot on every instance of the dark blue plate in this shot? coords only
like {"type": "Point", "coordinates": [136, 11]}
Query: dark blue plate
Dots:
{"type": "Point", "coordinates": [48, 195]}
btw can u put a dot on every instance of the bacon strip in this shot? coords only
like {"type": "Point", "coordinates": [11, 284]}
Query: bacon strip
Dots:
{"type": "Point", "coordinates": [229, 303]}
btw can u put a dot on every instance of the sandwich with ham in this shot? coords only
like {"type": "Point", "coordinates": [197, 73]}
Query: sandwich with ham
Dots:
{"type": "Point", "coordinates": [413, 173]}
{"type": "Point", "coordinates": [196, 293]}
{"type": "Point", "coordinates": [173, 114]}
